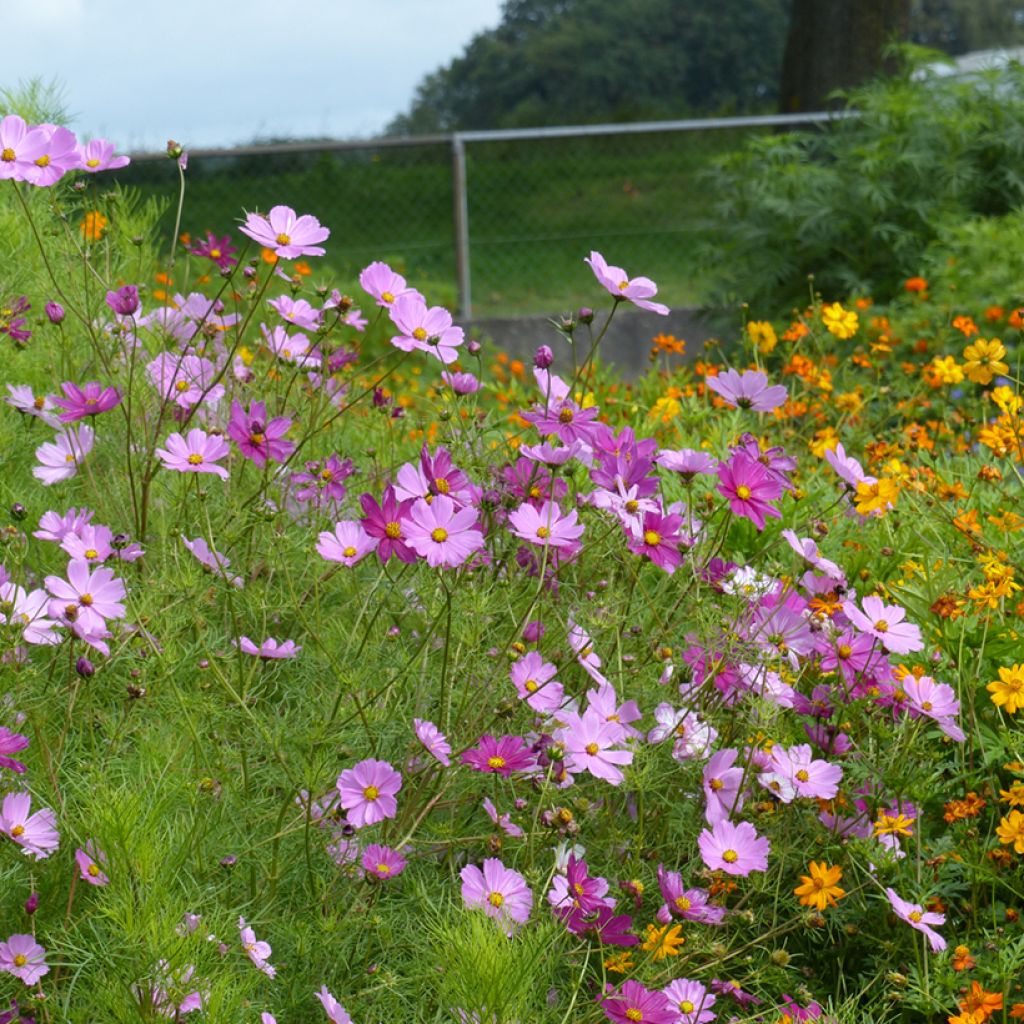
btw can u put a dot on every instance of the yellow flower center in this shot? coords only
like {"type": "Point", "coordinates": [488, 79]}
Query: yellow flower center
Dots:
{"type": "Point", "coordinates": [592, 748]}
{"type": "Point", "coordinates": [743, 492]}
{"type": "Point", "coordinates": [257, 438]}
{"type": "Point", "coordinates": [730, 856]}
{"type": "Point", "coordinates": [393, 530]}
{"type": "Point", "coordinates": [802, 775]}
{"type": "Point", "coordinates": [69, 457]}
{"type": "Point", "coordinates": [215, 254]}
{"type": "Point", "coordinates": [181, 385]}
{"type": "Point", "coordinates": [495, 899]}
{"type": "Point", "coordinates": [8, 155]}
{"type": "Point", "coordinates": [92, 163]}
{"type": "Point", "coordinates": [915, 916]}
{"type": "Point", "coordinates": [682, 903]}
{"type": "Point", "coordinates": [371, 792]}
{"type": "Point", "coordinates": [419, 333]}
{"type": "Point", "coordinates": [844, 651]}
{"type": "Point", "coordinates": [686, 1006]}
{"type": "Point", "coordinates": [634, 1014]}
{"type": "Point", "coordinates": [442, 485]}
{"type": "Point", "coordinates": [530, 685]}
{"type": "Point", "coordinates": [439, 535]}
{"type": "Point", "coordinates": [716, 784]}
{"type": "Point", "coordinates": [93, 870]}
{"type": "Point", "coordinates": [881, 626]}
{"type": "Point", "coordinates": [18, 830]}
{"type": "Point", "coordinates": [652, 538]}
{"type": "Point", "coordinates": [623, 285]}
{"type": "Point", "coordinates": [86, 599]}
{"type": "Point", "coordinates": [565, 416]}
{"type": "Point", "coordinates": [387, 296]}
{"type": "Point", "coordinates": [20, 959]}
{"type": "Point", "coordinates": [91, 553]}
{"type": "Point", "coordinates": [349, 551]}
{"type": "Point", "coordinates": [283, 239]}
{"type": "Point", "coordinates": [195, 459]}
{"type": "Point", "coordinates": [383, 869]}
{"type": "Point", "coordinates": [496, 762]}
{"type": "Point", "coordinates": [43, 161]}
{"type": "Point", "coordinates": [632, 506]}
{"type": "Point", "coordinates": [543, 532]}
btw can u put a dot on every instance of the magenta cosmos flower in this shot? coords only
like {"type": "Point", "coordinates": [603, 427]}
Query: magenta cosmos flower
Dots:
{"type": "Point", "coordinates": [749, 488]}
{"type": "Point", "coordinates": [380, 281]}
{"type": "Point", "coordinates": [434, 740]}
{"type": "Point", "coordinates": [258, 438]}
{"type": "Point", "coordinates": [535, 682]}
{"type": "Point", "coordinates": [387, 523]}
{"type": "Point", "coordinates": [91, 862]}
{"type": "Point", "coordinates": [441, 533]}
{"type": "Point", "coordinates": [501, 756]}
{"type": "Point", "coordinates": [428, 329]}
{"type": "Point", "coordinates": [382, 861]}
{"type": "Point", "coordinates": [218, 249]}
{"type": "Point", "coordinates": [198, 453]}
{"type": "Point", "coordinates": [917, 917]}
{"type": "Point", "coordinates": [747, 390]}
{"type": "Point", "coordinates": [88, 597]}
{"type": "Point", "coordinates": [546, 526]}
{"type": "Point", "coordinates": [35, 833]}
{"type": "Point", "coordinates": [88, 400]}
{"type": "Point", "coordinates": [270, 649]}
{"type": "Point", "coordinates": [287, 235]}
{"type": "Point", "coordinates": [658, 538]}
{"type": "Point", "coordinates": [734, 849]}
{"type": "Point", "coordinates": [638, 290]}
{"type": "Point", "coordinates": [60, 459]}
{"type": "Point", "coordinates": [348, 544]}
{"type": "Point", "coordinates": [368, 792]}
{"type": "Point", "coordinates": [336, 1013]}
{"type": "Point", "coordinates": [885, 623]}
{"type": "Point", "coordinates": [23, 957]}
{"type": "Point", "coordinates": [635, 1004]}
{"type": "Point", "coordinates": [497, 890]}
{"type": "Point", "coordinates": [11, 743]}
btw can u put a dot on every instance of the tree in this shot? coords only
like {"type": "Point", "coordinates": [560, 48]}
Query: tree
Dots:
{"type": "Point", "coordinates": [837, 44]}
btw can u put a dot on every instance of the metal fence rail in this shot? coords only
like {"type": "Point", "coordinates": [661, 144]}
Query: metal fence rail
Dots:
{"type": "Point", "coordinates": [493, 222]}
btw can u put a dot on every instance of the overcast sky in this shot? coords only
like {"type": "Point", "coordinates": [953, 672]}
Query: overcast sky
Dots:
{"type": "Point", "coordinates": [218, 72]}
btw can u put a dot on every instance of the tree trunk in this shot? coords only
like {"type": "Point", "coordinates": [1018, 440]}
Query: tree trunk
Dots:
{"type": "Point", "coordinates": [836, 44]}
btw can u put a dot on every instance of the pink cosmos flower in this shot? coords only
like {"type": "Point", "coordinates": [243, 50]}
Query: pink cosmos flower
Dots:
{"type": "Point", "coordinates": [323, 482]}
{"type": "Point", "coordinates": [687, 462]}
{"type": "Point", "coordinates": [387, 523]}
{"type": "Point", "coordinates": [734, 849]}
{"type": "Point", "coordinates": [722, 780]}
{"type": "Point", "coordinates": [750, 488]}
{"type": "Point", "coordinates": [566, 421]}
{"type": "Point", "coordinates": [502, 756]}
{"type": "Point", "coordinates": [23, 957]}
{"type": "Point", "coordinates": [255, 950]}
{"type": "Point", "coordinates": [691, 1000]}
{"type": "Point", "coordinates": [658, 538]}
{"type": "Point", "coordinates": [461, 383]}
{"type": "Point", "coordinates": [807, 549]}
{"type": "Point", "coordinates": [639, 290]}
{"type": "Point", "coordinates": [97, 155]}
{"type": "Point", "coordinates": [590, 746]}
{"type": "Point", "coordinates": [747, 390]}
{"type": "Point", "coordinates": [434, 740]}
{"type": "Point", "coordinates": [198, 453]}
{"type": "Point", "coordinates": [809, 778]}
{"type": "Point", "coordinates": [886, 624]}
{"type": "Point", "coordinates": [917, 917]}
{"type": "Point", "coordinates": [382, 861]}
{"type": "Point", "coordinates": [442, 534]}
{"type": "Point", "coordinates": [20, 146]}
{"type": "Point", "coordinates": [380, 281]}
{"type": "Point", "coordinates": [96, 544]}
{"type": "Point", "coordinates": [218, 249]}
{"type": "Point", "coordinates": [937, 701]}
{"type": "Point", "coordinates": [212, 559]}
{"type": "Point", "coordinates": [35, 833]}
{"type": "Point", "coordinates": [336, 1013]}
{"type": "Point", "coordinates": [58, 155]}
{"type": "Point", "coordinates": [11, 743]}
{"type": "Point", "coordinates": [258, 438]}
{"type": "Point", "coordinates": [270, 649]}
{"type": "Point", "coordinates": [368, 792]}
{"type": "Point", "coordinates": [848, 468]}
{"type": "Point", "coordinates": [89, 400]}
{"type": "Point", "coordinates": [60, 459]}
{"type": "Point", "coordinates": [534, 680]}
{"type": "Point", "coordinates": [691, 734]}
{"type": "Point", "coordinates": [22, 398]}
{"type": "Point", "coordinates": [89, 863]}
{"type": "Point", "coordinates": [497, 890]}
{"type": "Point", "coordinates": [689, 904]}
{"type": "Point", "coordinates": [503, 821]}
{"type": "Point", "coordinates": [89, 596]}
{"type": "Point", "coordinates": [28, 612]}
{"type": "Point", "coordinates": [546, 526]}
{"type": "Point", "coordinates": [298, 312]}
{"type": "Point", "coordinates": [426, 329]}
{"type": "Point", "coordinates": [287, 235]}
{"type": "Point", "coordinates": [349, 543]}
{"type": "Point", "coordinates": [185, 380]}
{"type": "Point", "coordinates": [55, 527]}
{"type": "Point", "coordinates": [633, 1003]}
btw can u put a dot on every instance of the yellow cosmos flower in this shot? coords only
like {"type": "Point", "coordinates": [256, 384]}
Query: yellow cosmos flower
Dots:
{"type": "Point", "coordinates": [839, 322]}
{"type": "Point", "coordinates": [663, 942]}
{"type": "Point", "coordinates": [983, 360]}
{"type": "Point", "coordinates": [1008, 690]}
{"type": "Point", "coordinates": [1011, 831]}
{"type": "Point", "coordinates": [820, 889]}
{"type": "Point", "coordinates": [762, 334]}
{"type": "Point", "coordinates": [875, 499]}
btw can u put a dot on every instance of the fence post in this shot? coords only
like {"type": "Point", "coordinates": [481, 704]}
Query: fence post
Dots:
{"type": "Point", "coordinates": [461, 221]}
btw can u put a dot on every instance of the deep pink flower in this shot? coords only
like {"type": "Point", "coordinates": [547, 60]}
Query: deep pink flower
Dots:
{"type": "Point", "coordinates": [461, 383]}
{"type": "Point", "coordinates": [349, 543]}
{"type": "Point", "coordinates": [91, 862]}
{"type": "Point", "coordinates": [380, 281]}
{"type": "Point", "coordinates": [60, 459]}
{"type": "Point", "coordinates": [218, 249]}
{"type": "Point", "coordinates": [368, 792]}
{"type": "Point", "coordinates": [258, 438]}
{"type": "Point", "coordinates": [502, 756]}
{"type": "Point", "coordinates": [497, 890]}
{"type": "Point", "coordinates": [565, 420]}
{"type": "Point", "coordinates": [125, 301]}
{"type": "Point", "coordinates": [885, 622]}
{"type": "Point", "coordinates": [634, 1004]}
{"type": "Point", "coordinates": [23, 957]}
{"type": "Point", "coordinates": [287, 235]}
{"type": "Point", "coordinates": [750, 488]}
{"type": "Point", "coordinates": [387, 523]}
{"type": "Point", "coordinates": [270, 649]}
{"type": "Point", "coordinates": [534, 680]}
{"type": "Point", "coordinates": [658, 538]}
{"type": "Point", "coordinates": [93, 595]}
{"type": "Point", "coordinates": [441, 533]}
{"type": "Point", "coordinates": [639, 290]}
{"type": "Point", "coordinates": [198, 453]}
{"type": "Point", "coordinates": [734, 849]}
{"type": "Point", "coordinates": [546, 526]}
{"type": "Point", "coordinates": [89, 400]}
{"type": "Point", "coordinates": [35, 833]}
{"type": "Point", "coordinates": [689, 904]}
{"type": "Point", "coordinates": [11, 743]}
{"type": "Point", "coordinates": [434, 740]}
{"type": "Point", "coordinates": [98, 155]}
{"type": "Point", "coordinates": [917, 917]}
{"type": "Point", "coordinates": [382, 861]}
{"type": "Point", "coordinates": [426, 329]}
{"type": "Point", "coordinates": [747, 390]}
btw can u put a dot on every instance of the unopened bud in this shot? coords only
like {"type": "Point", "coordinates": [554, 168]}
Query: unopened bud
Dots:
{"type": "Point", "coordinates": [55, 312]}
{"type": "Point", "coordinates": [543, 357]}
{"type": "Point", "coordinates": [85, 668]}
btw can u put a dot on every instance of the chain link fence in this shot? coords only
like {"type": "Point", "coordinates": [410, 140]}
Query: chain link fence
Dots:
{"type": "Point", "coordinates": [491, 223]}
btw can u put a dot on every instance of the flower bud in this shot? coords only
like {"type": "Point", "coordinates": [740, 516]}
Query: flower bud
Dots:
{"type": "Point", "coordinates": [55, 312]}
{"type": "Point", "coordinates": [585, 315]}
{"type": "Point", "coordinates": [32, 903]}
{"type": "Point", "coordinates": [18, 511]}
{"type": "Point", "coordinates": [473, 348]}
{"type": "Point", "coordinates": [543, 357]}
{"type": "Point", "coordinates": [84, 667]}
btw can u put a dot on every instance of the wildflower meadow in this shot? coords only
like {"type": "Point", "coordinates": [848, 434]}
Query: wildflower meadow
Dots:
{"type": "Point", "coordinates": [351, 670]}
